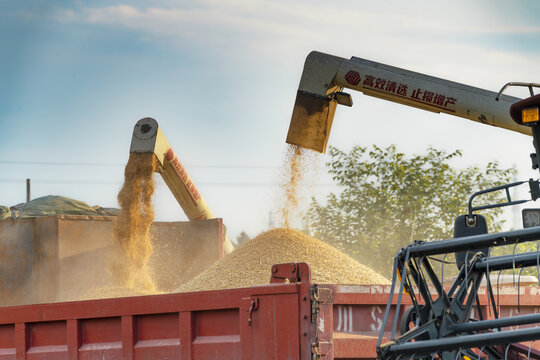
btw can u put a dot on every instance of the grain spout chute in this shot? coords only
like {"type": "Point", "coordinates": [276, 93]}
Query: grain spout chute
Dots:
{"type": "Point", "coordinates": [148, 138]}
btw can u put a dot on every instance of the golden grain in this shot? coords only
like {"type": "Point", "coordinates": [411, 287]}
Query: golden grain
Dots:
{"type": "Point", "coordinates": [133, 224]}
{"type": "Point", "coordinates": [250, 264]}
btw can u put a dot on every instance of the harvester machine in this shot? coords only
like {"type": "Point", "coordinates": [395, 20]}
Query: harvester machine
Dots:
{"type": "Point", "coordinates": [148, 138]}
{"type": "Point", "coordinates": [444, 322]}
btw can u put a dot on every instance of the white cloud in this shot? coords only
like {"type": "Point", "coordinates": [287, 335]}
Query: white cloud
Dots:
{"type": "Point", "coordinates": [65, 15]}
{"type": "Point", "coordinates": [113, 13]}
{"type": "Point", "coordinates": [203, 22]}
{"type": "Point", "coordinates": [418, 35]}
{"type": "Point", "coordinates": [256, 25]}
{"type": "Point", "coordinates": [433, 40]}
{"type": "Point", "coordinates": [448, 42]}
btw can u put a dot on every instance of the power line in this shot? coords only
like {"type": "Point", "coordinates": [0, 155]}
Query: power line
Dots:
{"type": "Point", "coordinates": [60, 163]}
{"type": "Point", "coordinates": [11, 162]}
{"type": "Point", "coordinates": [44, 181]}
{"type": "Point", "coordinates": [109, 182]}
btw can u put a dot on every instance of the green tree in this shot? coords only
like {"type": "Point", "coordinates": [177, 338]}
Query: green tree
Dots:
{"type": "Point", "coordinates": [242, 238]}
{"type": "Point", "coordinates": [390, 199]}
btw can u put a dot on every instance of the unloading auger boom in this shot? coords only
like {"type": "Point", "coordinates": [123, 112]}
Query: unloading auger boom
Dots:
{"type": "Point", "coordinates": [148, 138]}
{"type": "Point", "coordinates": [325, 77]}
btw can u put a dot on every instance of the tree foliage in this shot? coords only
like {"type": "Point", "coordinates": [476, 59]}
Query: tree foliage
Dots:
{"type": "Point", "coordinates": [389, 199]}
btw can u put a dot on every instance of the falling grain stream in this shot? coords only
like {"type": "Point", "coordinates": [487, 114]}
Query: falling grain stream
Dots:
{"type": "Point", "coordinates": [133, 224]}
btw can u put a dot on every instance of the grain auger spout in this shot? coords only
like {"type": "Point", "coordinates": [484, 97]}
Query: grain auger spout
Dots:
{"type": "Point", "coordinates": [148, 138]}
{"type": "Point", "coordinates": [325, 76]}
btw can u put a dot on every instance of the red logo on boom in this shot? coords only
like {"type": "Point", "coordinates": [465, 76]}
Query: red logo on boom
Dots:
{"type": "Point", "coordinates": [353, 77]}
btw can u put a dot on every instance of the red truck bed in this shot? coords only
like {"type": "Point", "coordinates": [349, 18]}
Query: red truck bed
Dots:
{"type": "Point", "coordinates": [279, 321]}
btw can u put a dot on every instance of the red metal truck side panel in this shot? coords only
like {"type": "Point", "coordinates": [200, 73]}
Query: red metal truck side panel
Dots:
{"type": "Point", "coordinates": [7, 354]}
{"type": "Point", "coordinates": [202, 326]}
{"type": "Point", "coordinates": [217, 334]}
{"type": "Point", "coordinates": [304, 315]}
{"type": "Point", "coordinates": [217, 323]}
{"type": "Point", "coordinates": [276, 328]}
{"type": "Point", "coordinates": [354, 346]}
{"type": "Point", "coordinates": [221, 347]}
{"type": "Point", "coordinates": [109, 350]}
{"type": "Point", "coordinates": [359, 310]}
{"type": "Point", "coordinates": [47, 334]}
{"type": "Point", "coordinates": [187, 333]}
{"type": "Point", "coordinates": [157, 334]}
{"type": "Point", "coordinates": [213, 325]}
{"type": "Point", "coordinates": [102, 330]}
{"type": "Point", "coordinates": [98, 337]}
{"type": "Point", "coordinates": [7, 342]}
{"type": "Point", "coordinates": [47, 340]}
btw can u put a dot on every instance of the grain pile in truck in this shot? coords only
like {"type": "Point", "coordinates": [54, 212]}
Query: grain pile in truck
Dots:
{"type": "Point", "coordinates": [249, 264]}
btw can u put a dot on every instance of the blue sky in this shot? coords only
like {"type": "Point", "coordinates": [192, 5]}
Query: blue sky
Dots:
{"type": "Point", "coordinates": [221, 76]}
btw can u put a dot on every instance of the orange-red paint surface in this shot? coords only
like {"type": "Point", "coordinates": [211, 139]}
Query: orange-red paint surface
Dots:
{"type": "Point", "coordinates": [213, 325]}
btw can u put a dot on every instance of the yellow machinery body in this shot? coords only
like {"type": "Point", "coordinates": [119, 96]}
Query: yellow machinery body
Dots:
{"type": "Point", "coordinates": [325, 76]}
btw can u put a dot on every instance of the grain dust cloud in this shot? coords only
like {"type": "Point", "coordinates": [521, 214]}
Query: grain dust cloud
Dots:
{"type": "Point", "coordinates": [133, 225]}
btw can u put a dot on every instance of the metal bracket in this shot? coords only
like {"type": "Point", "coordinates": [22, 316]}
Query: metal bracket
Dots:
{"type": "Point", "coordinates": [290, 272]}
{"type": "Point", "coordinates": [528, 85]}
{"type": "Point", "coordinates": [320, 349]}
{"type": "Point", "coordinates": [254, 306]}
{"type": "Point", "coordinates": [534, 189]}
{"type": "Point", "coordinates": [342, 98]}
{"type": "Point", "coordinates": [471, 220]}
{"type": "Point", "coordinates": [319, 297]}
{"type": "Point", "coordinates": [508, 202]}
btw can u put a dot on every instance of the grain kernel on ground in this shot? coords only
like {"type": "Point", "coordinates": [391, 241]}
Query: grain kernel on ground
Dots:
{"type": "Point", "coordinates": [250, 264]}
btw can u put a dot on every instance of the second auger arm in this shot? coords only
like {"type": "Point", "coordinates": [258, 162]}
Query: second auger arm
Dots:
{"type": "Point", "coordinates": [148, 138]}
